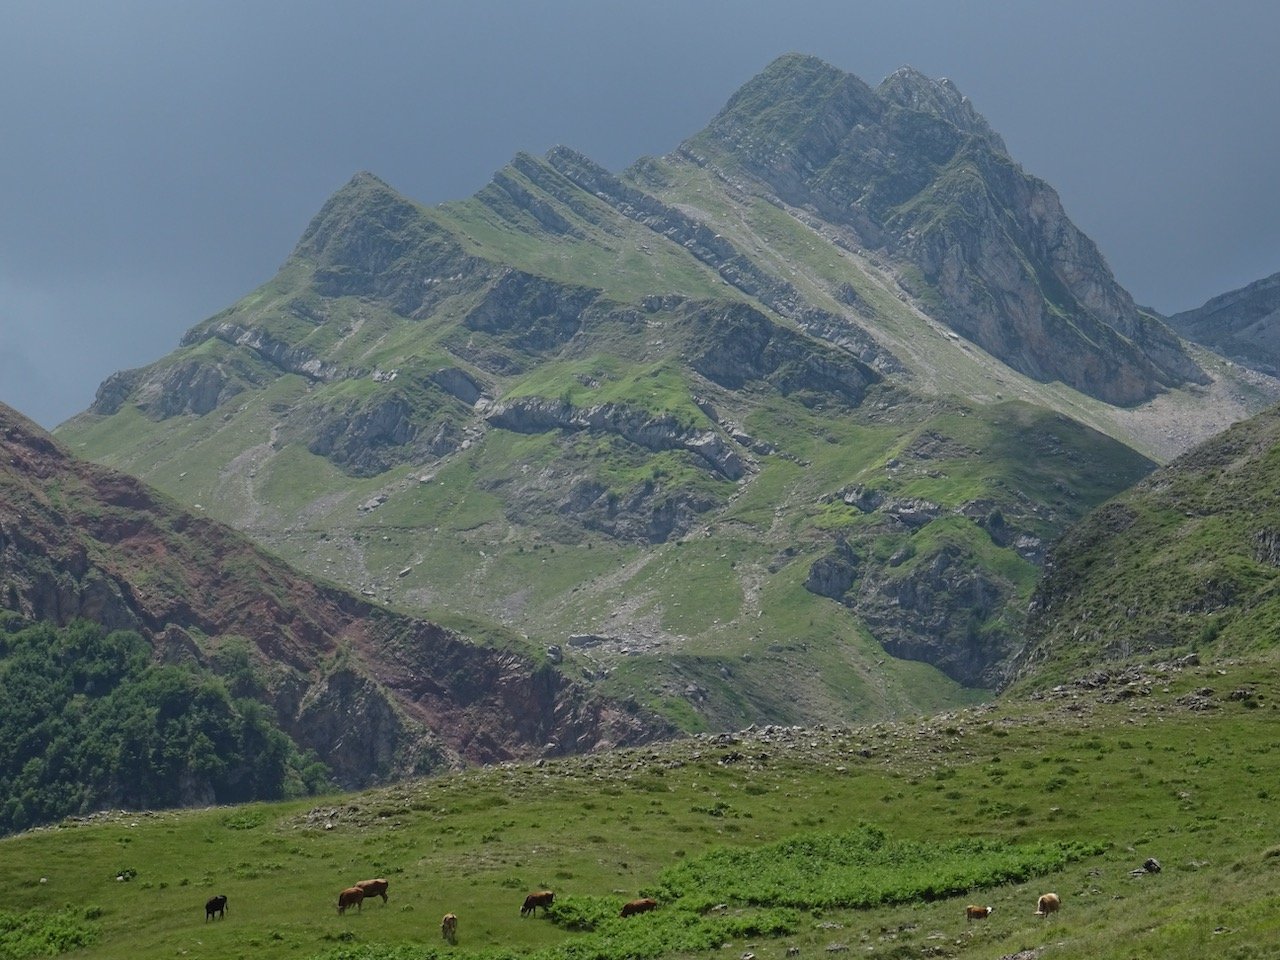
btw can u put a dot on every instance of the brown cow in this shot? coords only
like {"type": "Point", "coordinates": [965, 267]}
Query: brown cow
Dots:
{"type": "Point", "coordinates": [977, 913]}
{"type": "Point", "coordinates": [350, 897]}
{"type": "Point", "coordinates": [216, 905]}
{"type": "Point", "coordinates": [373, 888]}
{"type": "Point", "coordinates": [1047, 904]}
{"type": "Point", "coordinates": [638, 906]}
{"type": "Point", "coordinates": [449, 928]}
{"type": "Point", "coordinates": [533, 901]}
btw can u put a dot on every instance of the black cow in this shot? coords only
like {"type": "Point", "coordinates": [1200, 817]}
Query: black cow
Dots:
{"type": "Point", "coordinates": [216, 905]}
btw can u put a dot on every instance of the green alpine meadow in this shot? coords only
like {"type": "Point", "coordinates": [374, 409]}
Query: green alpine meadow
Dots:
{"type": "Point", "coordinates": [775, 841]}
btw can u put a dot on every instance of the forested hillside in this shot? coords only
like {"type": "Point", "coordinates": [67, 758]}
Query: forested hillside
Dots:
{"type": "Point", "coordinates": [91, 721]}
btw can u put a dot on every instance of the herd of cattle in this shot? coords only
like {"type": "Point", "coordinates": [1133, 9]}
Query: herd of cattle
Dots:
{"type": "Point", "coordinates": [355, 896]}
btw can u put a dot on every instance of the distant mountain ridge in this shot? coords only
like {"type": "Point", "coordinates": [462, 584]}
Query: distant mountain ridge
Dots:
{"type": "Point", "coordinates": [1242, 325]}
{"type": "Point", "coordinates": [715, 432]}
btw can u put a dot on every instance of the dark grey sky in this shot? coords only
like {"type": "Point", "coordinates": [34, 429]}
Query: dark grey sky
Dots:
{"type": "Point", "coordinates": [158, 159]}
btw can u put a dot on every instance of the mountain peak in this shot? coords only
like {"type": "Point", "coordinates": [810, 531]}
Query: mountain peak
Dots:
{"type": "Point", "coordinates": [913, 168]}
{"type": "Point", "coordinates": [941, 98]}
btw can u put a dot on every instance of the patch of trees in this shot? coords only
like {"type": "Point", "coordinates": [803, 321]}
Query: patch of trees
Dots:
{"type": "Point", "coordinates": [88, 721]}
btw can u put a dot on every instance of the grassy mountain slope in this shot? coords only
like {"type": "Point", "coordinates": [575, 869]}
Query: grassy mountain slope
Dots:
{"type": "Point", "coordinates": [1186, 561]}
{"type": "Point", "coordinates": [1159, 768]}
{"type": "Point", "coordinates": [674, 426]}
{"type": "Point", "coordinates": [81, 541]}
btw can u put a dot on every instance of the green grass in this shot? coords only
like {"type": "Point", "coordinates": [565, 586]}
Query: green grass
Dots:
{"type": "Point", "coordinates": [875, 837]}
{"type": "Point", "coordinates": [1178, 563]}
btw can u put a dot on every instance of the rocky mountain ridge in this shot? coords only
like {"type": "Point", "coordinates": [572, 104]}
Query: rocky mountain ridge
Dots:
{"type": "Point", "coordinates": [638, 406]}
{"type": "Point", "coordinates": [1242, 325]}
{"type": "Point", "coordinates": [910, 166]}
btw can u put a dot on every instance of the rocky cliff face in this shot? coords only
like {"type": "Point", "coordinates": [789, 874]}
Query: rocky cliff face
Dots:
{"type": "Point", "coordinates": [1243, 325]}
{"type": "Point", "coordinates": [912, 168]}
{"type": "Point", "coordinates": [78, 540]}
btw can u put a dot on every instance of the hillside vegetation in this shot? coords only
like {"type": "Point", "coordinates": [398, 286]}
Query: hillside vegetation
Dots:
{"type": "Point", "coordinates": [1186, 561]}
{"type": "Point", "coordinates": [90, 721]}
{"type": "Point", "coordinates": [81, 542]}
{"type": "Point", "coordinates": [867, 839]}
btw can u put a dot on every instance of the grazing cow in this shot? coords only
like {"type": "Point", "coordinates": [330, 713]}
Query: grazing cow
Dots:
{"type": "Point", "coordinates": [977, 913]}
{"type": "Point", "coordinates": [638, 906]}
{"type": "Point", "coordinates": [374, 888]}
{"type": "Point", "coordinates": [1047, 904]}
{"type": "Point", "coordinates": [449, 928]}
{"type": "Point", "coordinates": [350, 897]}
{"type": "Point", "coordinates": [216, 905]}
{"type": "Point", "coordinates": [533, 901]}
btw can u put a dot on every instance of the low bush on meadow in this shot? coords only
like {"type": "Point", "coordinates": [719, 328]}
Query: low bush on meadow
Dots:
{"type": "Point", "coordinates": [37, 933]}
{"type": "Point", "coordinates": [863, 867]}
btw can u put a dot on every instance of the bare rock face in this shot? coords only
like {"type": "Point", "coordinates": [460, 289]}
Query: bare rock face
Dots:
{"type": "Point", "coordinates": [353, 723]}
{"type": "Point", "coordinates": [834, 574]}
{"type": "Point", "coordinates": [362, 440]}
{"type": "Point", "coordinates": [459, 384]}
{"type": "Point", "coordinates": [935, 613]}
{"type": "Point", "coordinates": [910, 167]}
{"type": "Point", "coordinates": [740, 345]}
{"type": "Point", "coordinates": [532, 313]}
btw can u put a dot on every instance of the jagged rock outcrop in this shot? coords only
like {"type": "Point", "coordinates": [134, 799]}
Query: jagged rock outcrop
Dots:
{"type": "Point", "coordinates": [459, 384]}
{"type": "Point", "coordinates": [938, 612]}
{"type": "Point", "coordinates": [834, 574]}
{"type": "Point", "coordinates": [648, 513]}
{"type": "Point", "coordinates": [280, 354]}
{"type": "Point", "coordinates": [531, 313]}
{"type": "Point", "coordinates": [939, 98]}
{"type": "Point", "coordinates": [357, 439]}
{"type": "Point", "coordinates": [653, 432]}
{"type": "Point", "coordinates": [909, 168]}
{"type": "Point", "coordinates": [741, 344]}
{"type": "Point", "coordinates": [192, 386]}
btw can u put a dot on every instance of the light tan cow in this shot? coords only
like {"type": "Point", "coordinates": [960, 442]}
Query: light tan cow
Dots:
{"type": "Point", "coordinates": [1047, 904]}
{"type": "Point", "coordinates": [350, 897]}
{"type": "Point", "coordinates": [449, 928]}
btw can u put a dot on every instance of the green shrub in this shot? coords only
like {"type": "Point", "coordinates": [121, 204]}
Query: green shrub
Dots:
{"type": "Point", "coordinates": [40, 934]}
